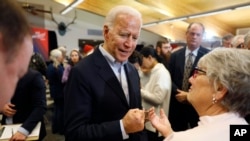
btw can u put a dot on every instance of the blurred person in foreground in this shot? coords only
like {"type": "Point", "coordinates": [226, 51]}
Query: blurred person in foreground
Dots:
{"type": "Point", "coordinates": [15, 47]}
{"type": "Point", "coordinates": [27, 106]}
{"type": "Point", "coordinates": [219, 92]}
{"type": "Point", "coordinates": [102, 94]}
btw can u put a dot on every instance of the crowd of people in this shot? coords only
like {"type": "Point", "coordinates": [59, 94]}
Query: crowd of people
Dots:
{"type": "Point", "coordinates": [116, 92]}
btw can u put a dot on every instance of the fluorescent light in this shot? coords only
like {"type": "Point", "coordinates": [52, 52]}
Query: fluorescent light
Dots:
{"type": "Point", "coordinates": [164, 12]}
{"type": "Point", "coordinates": [242, 7]}
{"type": "Point", "coordinates": [150, 24]}
{"type": "Point", "coordinates": [71, 6]}
{"type": "Point", "coordinates": [173, 20]}
{"type": "Point", "coordinates": [209, 13]}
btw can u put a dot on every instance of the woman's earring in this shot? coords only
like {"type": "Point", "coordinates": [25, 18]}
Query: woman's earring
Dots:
{"type": "Point", "coordinates": [214, 100]}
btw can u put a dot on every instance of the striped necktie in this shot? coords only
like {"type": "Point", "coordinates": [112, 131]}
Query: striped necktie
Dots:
{"type": "Point", "coordinates": [188, 68]}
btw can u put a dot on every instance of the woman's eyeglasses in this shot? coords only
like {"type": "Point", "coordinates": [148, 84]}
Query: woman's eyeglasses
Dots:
{"type": "Point", "coordinates": [198, 71]}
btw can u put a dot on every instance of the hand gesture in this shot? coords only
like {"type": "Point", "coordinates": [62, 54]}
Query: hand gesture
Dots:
{"type": "Point", "coordinates": [133, 121]}
{"type": "Point", "coordinates": [161, 122]}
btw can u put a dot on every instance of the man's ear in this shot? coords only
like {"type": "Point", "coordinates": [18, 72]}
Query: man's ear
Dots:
{"type": "Point", "coordinates": [105, 31]}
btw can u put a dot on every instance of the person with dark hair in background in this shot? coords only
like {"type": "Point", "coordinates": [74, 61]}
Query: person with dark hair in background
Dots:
{"type": "Point", "coordinates": [27, 106]}
{"type": "Point", "coordinates": [74, 58]}
{"type": "Point", "coordinates": [157, 89]}
{"type": "Point", "coordinates": [182, 62]}
{"type": "Point", "coordinates": [102, 94]}
{"type": "Point", "coordinates": [219, 92]}
{"type": "Point", "coordinates": [15, 47]}
{"type": "Point", "coordinates": [136, 59]}
{"type": "Point", "coordinates": [163, 49]}
{"type": "Point", "coordinates": [38, 63]}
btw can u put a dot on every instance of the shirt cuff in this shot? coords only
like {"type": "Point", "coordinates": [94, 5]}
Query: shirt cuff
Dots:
{"type": "Point", "coordinates": [23, 131]}
{"type": "Point", "coordinates": [170, 137]}
{"type": "Point", "coordinates": [124, 134]}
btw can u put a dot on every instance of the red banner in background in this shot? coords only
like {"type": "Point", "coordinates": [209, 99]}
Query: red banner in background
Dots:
{"type": "Point", "coordinates": [41, 42]}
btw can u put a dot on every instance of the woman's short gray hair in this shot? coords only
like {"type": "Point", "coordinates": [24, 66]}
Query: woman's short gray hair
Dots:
{"type": "Point", "coordinates": [54, 54]}
{"type": "Point", "coordinates": [121, 9]}
{"type": "Point", "coordinates": [247, 41]}
{"type": "Point", "coordinates": [231, 68]}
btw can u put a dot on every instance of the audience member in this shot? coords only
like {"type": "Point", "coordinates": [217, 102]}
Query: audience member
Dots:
{"type": "Point", "coordinates": [75, 57]}
{"type": "Point", "coordinates": [164, 49]}
{"type": "Point", "coordinates": [219, 92]}
{"type": "Point", "coordinates": [157, 90]}
{"type": "Point", "coordinates": [226, 40]}
{"type": "Point", "coordinates": [63, 49]}
{"type": "Point", "coordinates": [38, 63]}
{"type": "Point", "coordinates": [238, 41]}
{"type": "Point", "coordinates": [15, 47]}
{"type": "Point", "coordinates": [87, 49]}
{"type": "Point", "coordinates": [54, 75]}
{"type": "Point", "coordinates": [136, 59]}
{"type": "Point", "coordinates": [102, 99]}
{"type": "Point", "coordinates": [247, 41]}
{"type": "Point", "coordinates": [182, 62]}
{"type": "Point", "coordinates": [27, 106]}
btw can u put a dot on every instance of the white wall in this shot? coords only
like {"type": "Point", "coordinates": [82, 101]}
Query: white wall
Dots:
{"type": "Point", "coordinates": [78, 30]}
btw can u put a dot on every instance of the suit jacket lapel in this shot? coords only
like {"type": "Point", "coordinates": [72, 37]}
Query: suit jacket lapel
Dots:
{"type": "Point", "coordinates": [182, 59]}
{"type": "Point", "coordinates": [201, 52]}
{"type": "Point", "coordinates": [109, 78]}
{"type": "Point", "coordinates": [131, 81]}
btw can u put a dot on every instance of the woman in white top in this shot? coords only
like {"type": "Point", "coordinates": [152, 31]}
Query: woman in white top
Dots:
{"type": "Point", "coordinates": [155, 91]}
{"type": "Point", "coordinates": [219, 92]}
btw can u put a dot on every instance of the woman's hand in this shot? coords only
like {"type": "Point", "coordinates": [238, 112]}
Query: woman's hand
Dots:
{"type": "Point", "coordinates": [161, 123]}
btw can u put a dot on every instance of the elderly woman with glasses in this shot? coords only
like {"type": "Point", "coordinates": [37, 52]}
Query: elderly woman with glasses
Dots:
{"type": "Point", "coordinates": [219, 92]}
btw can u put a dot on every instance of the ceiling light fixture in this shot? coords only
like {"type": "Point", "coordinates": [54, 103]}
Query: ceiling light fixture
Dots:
{"type": "Point", "coordinates": [242, 7]}
{"type": "Point", "coordinates": [149, 24]}
{"type": "Point", "coordinates": [209, 13]}
{"type": "Point", "coordinates": [173, 20]}
{"type": "Point", "coordinates": [203, 14]}
{"type": "Point", "coordinates": [162, 11]}
{"type": "Point", "coordinates": [71, 6]}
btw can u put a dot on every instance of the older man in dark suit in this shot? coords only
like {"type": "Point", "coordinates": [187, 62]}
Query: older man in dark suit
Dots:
{"type": "Point", "coordinates": [102, 97]}
{"type": "Point", "coordinates": [182, 62]}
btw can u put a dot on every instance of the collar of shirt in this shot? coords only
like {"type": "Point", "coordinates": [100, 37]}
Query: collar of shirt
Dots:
{"type": "Point", "coordinates": [195, 52]}
{"type": "Point", "coordinates": [111, 60]}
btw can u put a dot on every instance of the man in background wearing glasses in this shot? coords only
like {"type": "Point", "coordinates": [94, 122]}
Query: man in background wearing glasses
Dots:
{"type": "Point", "coordinates": [182, 63]}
